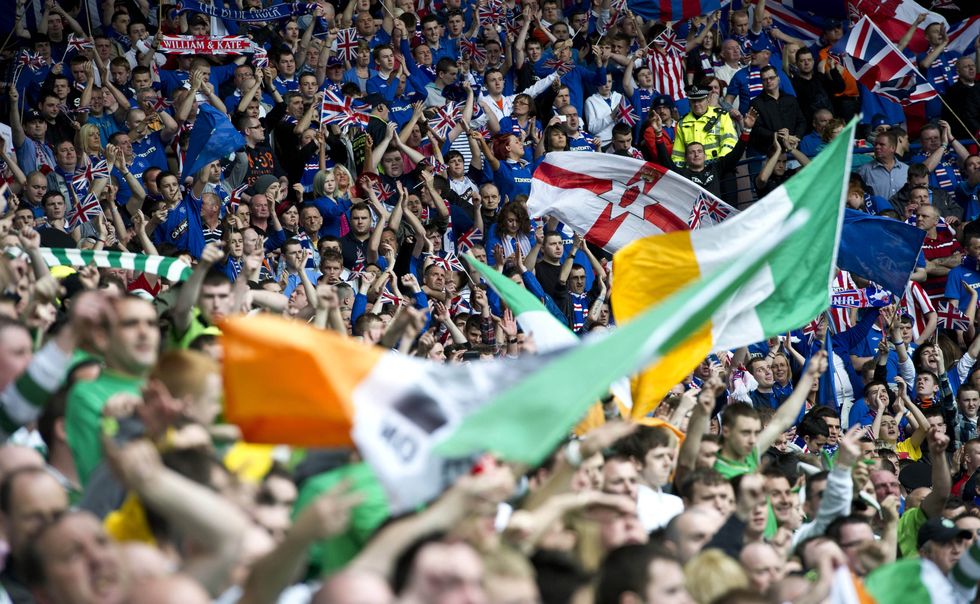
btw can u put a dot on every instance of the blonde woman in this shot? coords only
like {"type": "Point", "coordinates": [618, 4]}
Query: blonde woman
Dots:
{"type": "Point", "coordinates": [88, 145]}
{"type": "Point", "coordinates": [711, 574]}
{"type": "Point", "coordinates": [344, 182]}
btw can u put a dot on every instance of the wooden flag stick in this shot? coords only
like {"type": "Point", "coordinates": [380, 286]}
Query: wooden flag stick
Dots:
{"type": "Point", "coordinates": [972, 135]}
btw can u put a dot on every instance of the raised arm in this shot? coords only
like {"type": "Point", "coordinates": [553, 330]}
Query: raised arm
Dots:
{"type": "Point", "coordinates": [214, 523]}
{"type": "Point", "coordinates": [790, 409]}
{"type": "Point", "coordinates": [191, 291]}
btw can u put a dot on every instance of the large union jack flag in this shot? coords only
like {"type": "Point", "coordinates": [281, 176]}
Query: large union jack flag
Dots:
{"type": "Point", "coordinates": [874, 61]}
{"type": "Point", "coordinates": [343, 111]}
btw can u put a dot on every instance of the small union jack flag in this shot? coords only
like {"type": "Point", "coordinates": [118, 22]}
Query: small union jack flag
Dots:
{"type": "Point", "coordinates": [708, 207]}
{"type": "Point", "coordinates": [77, 44]}
{"type": "Point", "coordinates": [446, 118]}
{"type": "Point", "coordinates": [626, 113]}
{"type": "Point", "coordinates": [562, 67]}
{"type": "Point", "coordinates": [668, 40]}
{"type": "Point", "coordinates": [381, 189]}
{"type": "Point", "coordinates": [389, 298]}
{"type": "Point", "coordinates": [470, 48]}
{"type": "Point", "coordinates": [30, 60]}
{"type": "Point", "coordinates": [80, 181]}
{"type": "Point", "coordinates": [950, 317]}
{"type": "Point", "coordinates": [260, 60]}
{"type": "Point", "coordinates": [810, 329]}
{"type": "Point", "coordinates": [85, 211]}
{"type": "Point", "coordinates": [236, 198]}
{"type": "Point", "coordinates": [347, 40]}
{"type": "Point", "coordinates": [343, 111]}
{"type": "Point", "coordinates": [450, 262]}
{"type": "Point", "coordinates": [161, 104]}
{"type": "Point", "coordinates": [467, 240]}
{"type": "Point", "coordinates": [437, 166]}
{"type": "Point", "coordinates": [490, 13]}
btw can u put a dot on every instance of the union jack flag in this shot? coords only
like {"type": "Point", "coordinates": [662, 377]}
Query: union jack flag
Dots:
{"type": "Point", "coordinates": [810, 329]}
{"type": "Point", "coordinates": [260, 60]}
{"type": "Point", "coordinates": [389, 298]}
{"type": "Point", "coordinates": [490, 13]}
{"type": "Point", "coordinates": [80, 181]}
{"type": "Point", "coordinates": [30, 60]}
{"type": "Point", "coordinates": [161, 103]}
{"type": "Point", "coordinates": [236, 198]}
{"type": "Point", "coordinates": [877, 63]}
{"type": "Point", "coordinates": [668, 41]}
{"type": "Point", "coordinates": [85, 211]}
{"type": "Point", "coordinates": [562, 67]}
{"type": "Point", "coordinates": [450, 262]}
{"type": "Point", "coordinates": [467, 240]}
{"type": "Point", "coordinates": [381, 189]}
{"type": "Point", "coordinates": [343, 111]}
{"type": "Point", "coordinates": [437, 166]}
{"type": "Point", "coordinates": [79, 43]}
{"type": "Point", "coordinates": [950, 317]}
{"type": "Point", "coordinates": [469, 47]}
{"type": "Point", "coordinates": [460, 304]}
{"type": "Point", "coordinates": [446, 118]}
{"type": "Point", "coordinates": [347, 40]}
{"type": "Point", "coordinates": [626, 113]}
{"type": "Point", "coordinates": [708, 207]}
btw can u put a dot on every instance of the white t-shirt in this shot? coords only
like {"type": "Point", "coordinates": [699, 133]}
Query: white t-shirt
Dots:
{"type": "Point", "coordinates": [656, 508]}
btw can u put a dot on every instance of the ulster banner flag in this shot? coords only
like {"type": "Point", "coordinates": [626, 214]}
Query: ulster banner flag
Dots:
{"type": "Point", "coordinates": [612, 200]}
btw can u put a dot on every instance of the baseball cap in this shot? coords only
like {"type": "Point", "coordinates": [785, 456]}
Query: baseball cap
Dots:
{"type": "Point", "coordinates": [696, 94]}
{"type": "Point", "coordinates": [941, 530]}
{"type": "Point", "coordinates": [33, 115]}
{"type": "Point", "coordinates": [835, 23]}
{"type": "Point", "coordinates": [663, 101]}
{"type": "Point", "coordinates": [334, 62]}
{"type": "Point", "coordinates": [878, 119]}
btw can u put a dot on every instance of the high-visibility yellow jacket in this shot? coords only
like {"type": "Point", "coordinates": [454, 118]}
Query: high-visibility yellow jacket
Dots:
{"type": "Point", "coordinates": [714, 130]}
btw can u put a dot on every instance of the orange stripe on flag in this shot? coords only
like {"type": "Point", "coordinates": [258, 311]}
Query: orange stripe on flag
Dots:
{"type": "Point", "coordinates": [289, 383]}
{"type": "Point", "coordinates": [646, 272]}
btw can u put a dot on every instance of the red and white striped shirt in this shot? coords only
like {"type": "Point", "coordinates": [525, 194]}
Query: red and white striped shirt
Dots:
{"type": "Point", "coordinates": [841, 317]}
{"type": "Point", "coordinates": [943, 246]}
{"type": "Point", "coordinates": [917, 304]}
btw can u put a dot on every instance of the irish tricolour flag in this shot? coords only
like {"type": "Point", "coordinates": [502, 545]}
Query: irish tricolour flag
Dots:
{"type": "Point", "coordinates": [791, 289]}
{"type": "Point", "coordinates": [420, 423]}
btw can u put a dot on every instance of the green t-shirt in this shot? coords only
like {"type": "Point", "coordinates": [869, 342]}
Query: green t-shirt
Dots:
{"type": "Point", "coordinates": [731, 468]}
{"type": "Point", "coordinates": [908, 532]}
{"type": "Point", "coordinates": [83, 417]}
{"type": "Point", "coordinates": [332, 554]}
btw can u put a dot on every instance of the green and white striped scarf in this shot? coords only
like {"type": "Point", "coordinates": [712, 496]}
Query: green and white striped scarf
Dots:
{"type": "Point", "coordinates": [170, 269]}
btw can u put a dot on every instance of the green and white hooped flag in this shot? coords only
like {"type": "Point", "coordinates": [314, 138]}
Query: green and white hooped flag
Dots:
{"type": "Point", "coordinates": [170, 269]}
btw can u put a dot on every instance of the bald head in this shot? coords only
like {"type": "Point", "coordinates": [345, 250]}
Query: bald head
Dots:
{"type": "Point", "coordinates": [354, 587]}
{"type": "Point", "coordinates": [763, 565]}
{"type": "Point", "coordinates": [170, 589]}
{"type": "Point", "coordinates": [15, 457]}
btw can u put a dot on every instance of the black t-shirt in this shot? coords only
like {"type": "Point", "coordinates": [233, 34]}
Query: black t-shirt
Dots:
{"type": "Point", "coordinates": [52, 237]}
{"type": "Point", "coordinates": [547, 275]}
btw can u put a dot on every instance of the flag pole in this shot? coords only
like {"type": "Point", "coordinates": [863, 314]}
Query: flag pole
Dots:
{"type": "Point", "coordinates": [945, 104]}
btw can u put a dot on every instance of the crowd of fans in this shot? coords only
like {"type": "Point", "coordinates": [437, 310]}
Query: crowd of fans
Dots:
{"type": "Point", "coordinates": [850, 444]}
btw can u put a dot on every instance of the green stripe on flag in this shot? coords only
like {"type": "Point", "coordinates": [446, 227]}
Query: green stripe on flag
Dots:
{"type": "Point", "coordinates": [803, 267]}
{"type": "Point", "coordinates": [534, 318]}
{"type": "Point", "coordinates": [171, 269]}
{"type": "Point", "coordinates": [528, 420]}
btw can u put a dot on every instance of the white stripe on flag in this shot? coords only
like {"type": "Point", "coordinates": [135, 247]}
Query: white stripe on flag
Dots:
{"type": "Point", "coordinates": [127, 261]}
